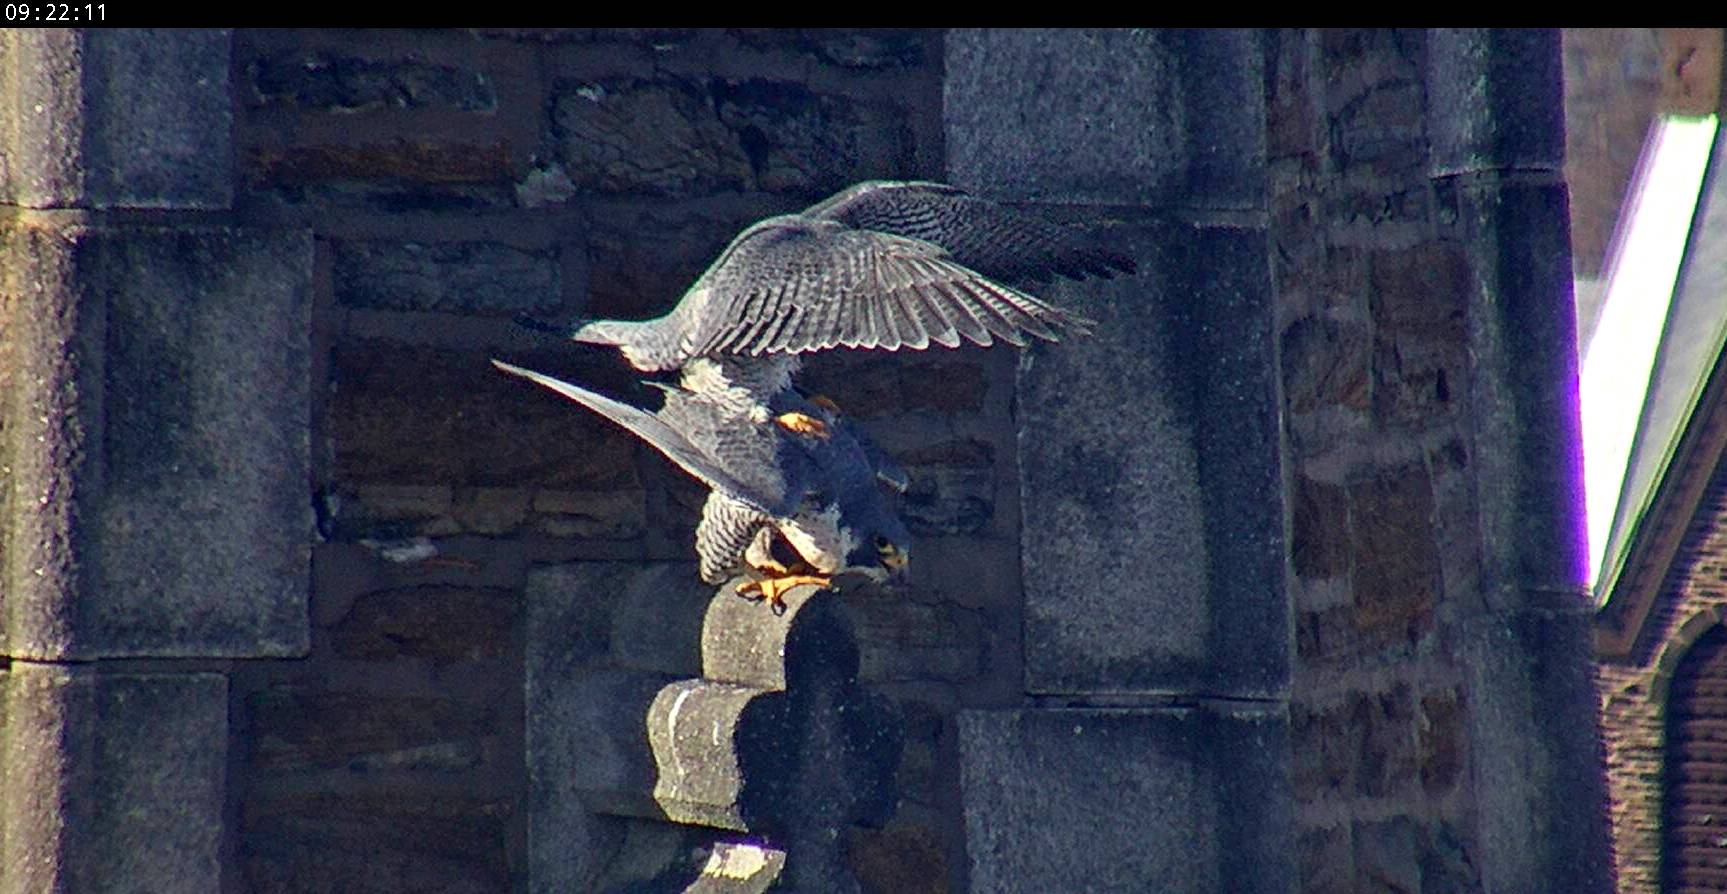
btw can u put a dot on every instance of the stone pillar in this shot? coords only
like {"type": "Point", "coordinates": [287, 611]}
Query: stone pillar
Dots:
{"type": "Point", "coordinates": [1151, 751]}
{"type": "Point", "coordinates": [1495, 122]}
{"type": "Point", "coordinates": [761, 761]}
{"type": "Point", "coordinates": [154, 466]}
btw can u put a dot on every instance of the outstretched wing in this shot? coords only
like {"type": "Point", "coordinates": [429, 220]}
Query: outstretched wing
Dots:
{"type": "Point", "coordinates": [667, 440]}
{"type": "Point", "coordinates": [792, 284]}
{"type": "Point", "coordinates": [990, 238]}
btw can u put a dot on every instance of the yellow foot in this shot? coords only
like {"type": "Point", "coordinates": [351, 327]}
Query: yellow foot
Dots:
{"type": "Point", "coordinates": [803, 424]}
{"type": "Point", "coordinates": [826, 403]}
{"type": "Point", "coordinates": [774, 589]}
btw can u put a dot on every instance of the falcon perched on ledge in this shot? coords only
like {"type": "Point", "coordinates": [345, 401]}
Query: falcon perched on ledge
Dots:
{"type": "Point", "coordinates": [821, 493]}
{"type": "Point", "coordinates": [881, 265]}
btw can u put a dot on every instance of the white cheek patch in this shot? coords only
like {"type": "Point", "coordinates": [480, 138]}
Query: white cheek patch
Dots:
{"type": "Point", "coordinates": [818, 538]}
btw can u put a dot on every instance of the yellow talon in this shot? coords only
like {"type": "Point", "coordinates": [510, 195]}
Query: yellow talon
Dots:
{"type": "Point", "coordinates": [773, 589]}
{"type": "Point", "coordinates": [803, 424]}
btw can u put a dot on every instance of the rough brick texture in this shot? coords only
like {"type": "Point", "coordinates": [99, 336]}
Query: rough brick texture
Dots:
{"type": "Point", "coordinates": [1692, 599]}
{"type": "Point", "coordinates": [1391, 300]}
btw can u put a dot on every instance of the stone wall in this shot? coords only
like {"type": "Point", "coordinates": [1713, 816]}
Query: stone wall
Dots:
{"type": "Point", "coordinates": [1266, 586]}
{"type": "Point", "coordinates": [1419, 221]}
{"type": "Point", "coordinates": [453, 180]}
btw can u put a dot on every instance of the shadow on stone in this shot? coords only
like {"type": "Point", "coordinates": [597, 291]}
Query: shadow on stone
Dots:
{"type": "Point", "coordinates": [777, 741]}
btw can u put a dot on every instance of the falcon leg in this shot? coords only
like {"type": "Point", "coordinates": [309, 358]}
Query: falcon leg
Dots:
{"type": "Point", "coordinates": [803, 424]}
{"type": "Point", "coordinates": [773, 589]}
{"type": "Point", "coordinates": [826, 403]}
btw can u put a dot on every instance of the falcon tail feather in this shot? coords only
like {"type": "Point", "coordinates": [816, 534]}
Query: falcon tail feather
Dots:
{"type": "Point", "coordinates": [649, 428]}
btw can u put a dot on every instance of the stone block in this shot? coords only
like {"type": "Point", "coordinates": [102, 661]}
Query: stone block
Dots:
{"type": "Point", "coordinates": [421, 415]}
{"type": "Point", "coordinates": [1152, 543]}
{"type": "Point", "coordinates": [156, 420]}
{"type": "Point", "coordinates": [859, 48]}
{"type": "Point", "coordinates": [1495, 99]}
{"type": "Point", "coordinates": [439, 623]}
{"type": "Point", "coordinates": [777, 740]}
{"type": "Point", "coordinates": [661, 138]}
{"type": "Point", "coordinates": [1157, 799]}
{"type": "Point", "coordinates": [1117, 116]}
{"type": "Point", "coordinates": [329, 80]}
{"type": "Point", "coordinates": [1523, 389]}
{"type": "Point", "coordinates": [116, 118]}
{"type": "Point", "coordinates": [297, 729]}
{"type": "Point", "coordinates": [454, 277]}
{"type": "Point", "coordinates": [1534, 738]}
{"type": "Point", "coordinates": [375, 843]}
{"type": "Point", "coordinates": [687, 137]}
{"type": "Point", "coordinates": [111, 782]}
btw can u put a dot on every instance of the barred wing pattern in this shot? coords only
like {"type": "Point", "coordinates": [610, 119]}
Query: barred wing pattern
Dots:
{"type": "Point", "coordinates": [985, 236]}
{"type": "Point", "coordinates": [793, 284]}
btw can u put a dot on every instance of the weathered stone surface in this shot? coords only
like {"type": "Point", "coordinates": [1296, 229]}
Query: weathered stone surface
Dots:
{"type": "Point", "coordinates": [335, 81]}
{"type": "Point", "coordinates": [404, 167]}
{"type": "Point", "coordinates": [778, 740]}
{"type": "Point", "coordinates": [442, 624]}
{"type": "Point", "coordinates": [1319, 529]}
{"type": "Point", "coordinates": [1535, 741]}
{"type": "Point", "coordinates": [801, 141]}
{"type": "Point", "coordinates": [641, 263]}
{"type": "Point", "coordinates": [1156, 507]}
{"type": "Point", "coordinates": [1176, 799]}
{"type": "Point", "coordinates": [1495, 99]}
{"type": "Point", "coordinates": [905, 640]}
{"type": "Point", "coordinates": [643, 623]}
{"type": "Point", "coordinates": [1394, 556]}
{"type": "Point", "coordinates": [1325, 364]}
{"type": "Point", "coordinates": [157, 396]}
{"type": "Point", "coordinates": [1361, 746]}
{"type": "Point", "coordinates": [1117, 115]}
{"type": "Point", "coordinates": [1372, 102]}
{"type": "Point", "coordinates": [1523, 390]}
{"type": "Point", "coordinates": [590, 515]}
{"type": "Point", "coordinates": [658, 138]}
{"type": "Point", "coordinates": [644, 617]}
{"type": "Point", "coordinates": [1399, 854]}
{"type": "Point", "coordinates": [1442, 748]}
{"type": "Point", "coordinates": [1324, 863]}
{"type": "Point", "coordinates": [905, 859]}
{"type": "Point", "coordinates": [952, 488]}
{"type": "Point", "coordinates": [457, 277]}
{"type": "Point", "coordinates": [116, 118]}
{"type": "Point", "coordinates": [491, 510]}
{"type": "Point", "coordinates": [420, 415]}
{"type": "Point", "coordinates": [373, 844]}
{"type": "Point", "coordinates": [677, 137]}
{"type": "Point", "coordinates": [870, 384]}
{"type": "Point", "coordinates": [872, 48]}
{"type": "Point", "coordinates": [111, 782]}
{"type": "Point", "coordinates": [298, 728]}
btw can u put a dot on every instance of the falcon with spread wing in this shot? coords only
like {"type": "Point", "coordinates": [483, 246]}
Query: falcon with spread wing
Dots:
{"type": "Point", "coordinates": [881, 265]}
{"type": "Point", "coordinates": [819, 493]}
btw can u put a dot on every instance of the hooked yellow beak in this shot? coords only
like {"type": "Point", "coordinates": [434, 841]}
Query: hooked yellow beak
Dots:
{"type": "Point", "coordinates": [892, 557]}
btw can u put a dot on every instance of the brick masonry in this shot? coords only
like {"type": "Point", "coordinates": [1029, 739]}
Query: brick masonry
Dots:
{"type": "Point", "coordinates": [1692, 599]}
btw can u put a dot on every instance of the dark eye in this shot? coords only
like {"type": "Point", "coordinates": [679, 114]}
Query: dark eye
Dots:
{"type": "Point", "coordinates": [881, 542]}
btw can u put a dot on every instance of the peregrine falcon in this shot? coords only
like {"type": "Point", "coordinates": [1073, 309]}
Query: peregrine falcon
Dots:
{"type": "Point", "coordinates": [821, 492]}
{"type": "Point", "coordinates": [880, 265]}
